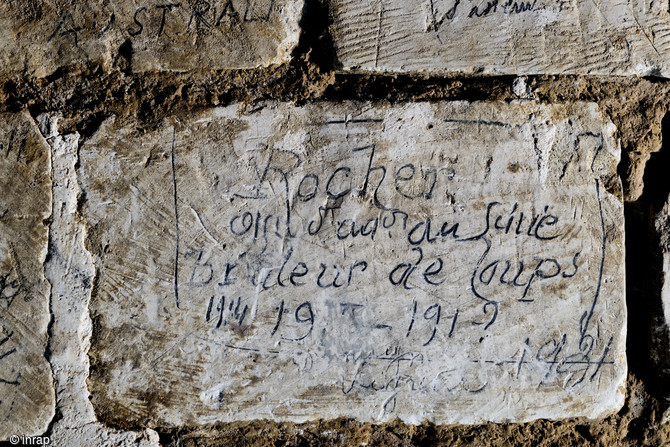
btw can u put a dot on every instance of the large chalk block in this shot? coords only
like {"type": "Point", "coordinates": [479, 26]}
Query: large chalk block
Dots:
{"type": "Point", "coordinates": [512, 37]}
{"type": "Point", "coordinates": [38, 37]}
{"type": "Point", "coordinates": [452, 262]}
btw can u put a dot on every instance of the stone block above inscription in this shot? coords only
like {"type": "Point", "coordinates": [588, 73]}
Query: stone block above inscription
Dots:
{"type": "Point", "coordinates": [39, 36]}
{"type": "Point", "coordinates": [26, 387]}
{"type": "Point", "coordinates": [452, 262]}
{"type": "Point", "coordinates": [604, 37]}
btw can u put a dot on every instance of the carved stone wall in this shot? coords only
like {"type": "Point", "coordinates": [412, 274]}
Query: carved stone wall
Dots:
{"type": "Point", "coordinates": [328, 222]}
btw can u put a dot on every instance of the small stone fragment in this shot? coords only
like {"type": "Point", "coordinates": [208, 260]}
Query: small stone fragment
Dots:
{"type": "Point", "coordinates": [452, 262]}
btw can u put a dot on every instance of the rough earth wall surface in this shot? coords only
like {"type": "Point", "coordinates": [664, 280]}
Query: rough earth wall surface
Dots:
{"type": "Point", "coordinates": [72, 100]}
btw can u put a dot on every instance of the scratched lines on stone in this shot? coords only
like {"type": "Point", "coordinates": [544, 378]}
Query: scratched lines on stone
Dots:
{"type": "Point", "coordinates": [522, 37]}
{"type": "Point", "coordinates": [5, 353]}
{"type": "Point", "coordinates": [10, 285]}
{"type": "Point", "coordinates": [176, 217]}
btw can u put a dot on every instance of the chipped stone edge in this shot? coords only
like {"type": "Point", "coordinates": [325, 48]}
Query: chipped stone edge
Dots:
{"type": "Point", "coordinates": [291, 17]}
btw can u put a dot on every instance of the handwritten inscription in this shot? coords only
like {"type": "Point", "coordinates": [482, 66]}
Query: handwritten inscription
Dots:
{"type": "Point", "coordinates": [456, 8]}
{"type": "Point", "coordinates": [201, 15]}
{"type": "Point", "coordinates": [151, 35]}
{"type": "Point", "coordinates": [517, 37]}
{"type": "Point", "coordinates": [364, 261]}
